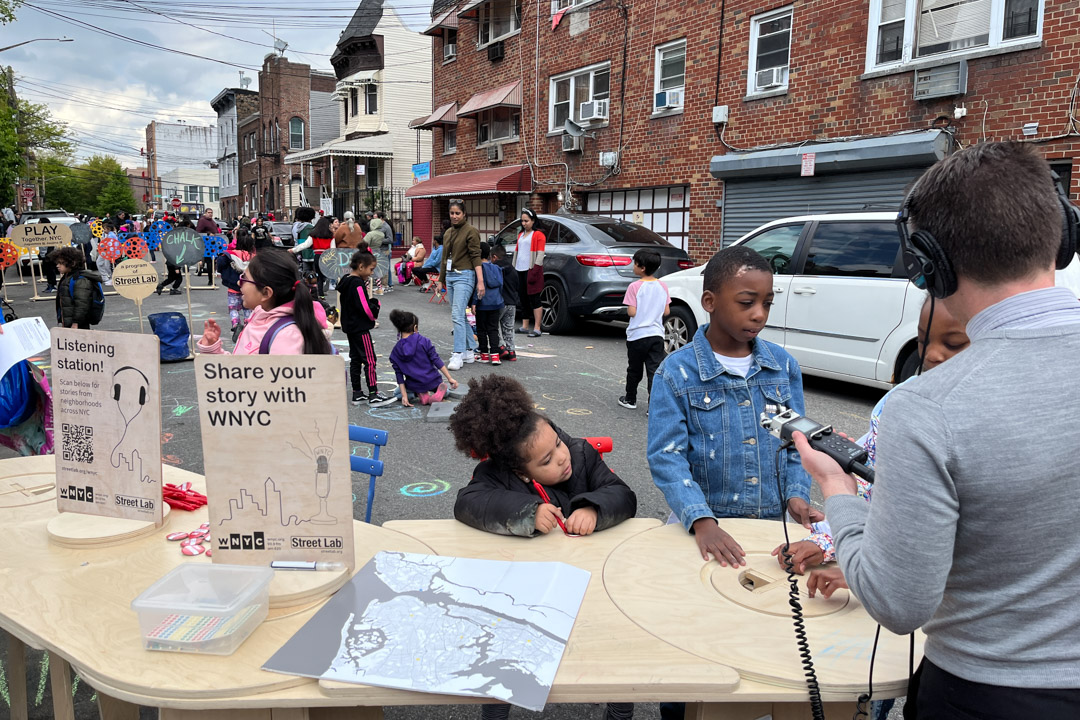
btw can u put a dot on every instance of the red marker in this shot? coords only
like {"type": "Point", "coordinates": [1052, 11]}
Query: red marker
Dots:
{"type": "Point", "coordinates": [544, 496]}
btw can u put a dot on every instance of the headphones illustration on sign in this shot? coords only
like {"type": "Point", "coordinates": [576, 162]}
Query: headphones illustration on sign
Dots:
{"type": "Point", "coordinates": [928, 267]}
{"type": "Point", "coordinates": [142, 388]}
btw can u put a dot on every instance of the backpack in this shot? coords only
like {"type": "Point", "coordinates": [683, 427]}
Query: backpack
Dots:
{"type": "Point", "coordinates": [279, 325]}
{"type": "Point", "coordinates": [97, 299]}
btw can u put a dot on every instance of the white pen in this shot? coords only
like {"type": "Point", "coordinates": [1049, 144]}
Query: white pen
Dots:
{"type": "Point", "coordinates": [305, 565]}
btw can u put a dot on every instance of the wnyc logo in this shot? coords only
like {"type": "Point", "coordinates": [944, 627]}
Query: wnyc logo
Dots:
{"type": "Point", "coordinates": [238, 541]}
{"type": "Point", "coordinates": [82, 494]}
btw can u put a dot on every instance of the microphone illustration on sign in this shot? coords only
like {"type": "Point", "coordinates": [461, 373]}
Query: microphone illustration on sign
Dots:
{"type": "Point", "coordinates": [130, 390]}
{"type": "Point", "coordinates": [322, 485]}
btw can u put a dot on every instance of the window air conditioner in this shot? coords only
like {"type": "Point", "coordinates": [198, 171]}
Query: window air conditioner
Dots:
{"type": "Point", "coordinates": [495, 153]}
{"type": "Point", "coordinates": [495, 51]}
{"type": "Point", "coordinates": [571, 143]}
{"type": "Point", "coordinates": [593, 110]}
{"type": "Point", "coordinates": [770, 78]}
{"type": "Point", "coordinates": [666, 99]}
{"type": "Point", "coordinates": [449, 52]}
{"type": "Point", "coordinates": [941, 81]}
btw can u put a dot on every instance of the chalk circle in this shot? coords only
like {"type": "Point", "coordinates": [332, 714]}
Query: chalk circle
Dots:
{"type": "Point", "coordinates": [396, 413]}
{"type": "Point", "coordinates": [80, 233]}
{"type": "Point", "coordinates": [558, 398]}
{"type": "Point", "coordinates": [427, 488]}
{"type": "Point", "coordinates": [334, 263]}
{"type": "Point", "coordinates": [578, 411]}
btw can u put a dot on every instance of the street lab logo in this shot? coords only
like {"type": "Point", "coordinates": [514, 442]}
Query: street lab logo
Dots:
{"type": "Point", "coordinates": [81, 494]}
{"type": "Point", "coordinates": [238, 541]}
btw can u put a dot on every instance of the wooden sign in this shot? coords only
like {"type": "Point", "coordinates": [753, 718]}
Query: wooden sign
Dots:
{"type": "Point", "coordinates": [41, 235]}
{"type": "Point", "coordinates": [81, 234]}
{"type": "Point", "coordinates": [107, 416]}
{"type": "Point", "coordinates": [135, 279]}
{"type": "Point", "coordinates": [275, 447]}
{"type": "Point", "coordinates": [183, 247]}
{"type": "Point", "coordinates": [334, 263]}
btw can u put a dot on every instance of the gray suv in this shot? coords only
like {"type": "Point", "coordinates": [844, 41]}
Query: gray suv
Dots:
{"type": "Point", "coordinates": [588, 265]}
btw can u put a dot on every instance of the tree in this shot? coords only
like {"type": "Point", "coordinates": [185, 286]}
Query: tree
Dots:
{"type": "Point", "coordinates": [116, 195]}
{"type": "Point", "coordinates": [64, 186]}
{"type": "Point", "coordinates": [7, 10]}
{"type": "Point", "coordinates": [10, 157]}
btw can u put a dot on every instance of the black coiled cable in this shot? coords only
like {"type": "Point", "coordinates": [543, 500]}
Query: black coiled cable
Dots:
{"type": "Point", "coordinates": [817, 710]}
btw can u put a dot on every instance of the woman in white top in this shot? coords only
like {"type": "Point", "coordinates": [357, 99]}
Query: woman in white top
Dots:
{"type": "Point", "coordinates": [529, 263]}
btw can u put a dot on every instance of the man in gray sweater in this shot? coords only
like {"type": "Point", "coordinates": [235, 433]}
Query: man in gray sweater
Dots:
{"type": "Point", "coordinates": [974, 531]}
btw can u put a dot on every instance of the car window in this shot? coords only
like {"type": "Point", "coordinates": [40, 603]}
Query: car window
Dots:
{"type": "Point", "coordinates": [777, 245]}
{"type": "Point", "coordinates": [625, 232]}
{"type": "Point", "coordinates": [855, 249]}
{"type": "Point", "coordinates": [508, 236]}
{"type": "Point", "coordinates": [559, 234]}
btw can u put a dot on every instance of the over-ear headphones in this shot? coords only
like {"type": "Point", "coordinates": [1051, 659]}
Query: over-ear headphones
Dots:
{"type": "Point", "coordinates": [142, 390]}
{"type": "Point", "coordinates": [928, 267]}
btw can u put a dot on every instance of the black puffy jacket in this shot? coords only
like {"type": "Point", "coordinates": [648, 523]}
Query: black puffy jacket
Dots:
{"type": "Point", "coordinates": [74, 310]}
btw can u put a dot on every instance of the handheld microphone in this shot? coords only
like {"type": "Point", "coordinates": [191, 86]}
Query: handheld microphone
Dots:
{"type": "Point", "coordinates": [782, 422]}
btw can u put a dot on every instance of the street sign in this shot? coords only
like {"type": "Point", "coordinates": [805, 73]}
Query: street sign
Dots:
{"type": "Point", "coordinates": [175, 203]}
{"type": "Point", "coordinates": [28, 194]}
{"type": "Point", "coordinates": [809, 160]}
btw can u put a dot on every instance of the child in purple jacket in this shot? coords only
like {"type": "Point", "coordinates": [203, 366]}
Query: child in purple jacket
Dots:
{"type": "Point", "coordinates": [416, 363]}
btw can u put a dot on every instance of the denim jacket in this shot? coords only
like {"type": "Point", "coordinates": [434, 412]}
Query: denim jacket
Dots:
{"type": "Point", "coordinates": [707, 450]}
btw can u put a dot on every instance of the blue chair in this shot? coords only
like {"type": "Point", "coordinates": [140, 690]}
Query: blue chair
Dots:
{"type": "Point", "coordinates": [372, 466]}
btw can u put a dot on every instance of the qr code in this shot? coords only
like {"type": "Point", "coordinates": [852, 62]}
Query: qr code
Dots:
{"type": "Point", "coordinates": [78, 443]}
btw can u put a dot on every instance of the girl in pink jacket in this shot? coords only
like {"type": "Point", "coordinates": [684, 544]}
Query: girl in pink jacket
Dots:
{"type": "Point", "coordinates": [284, 320]}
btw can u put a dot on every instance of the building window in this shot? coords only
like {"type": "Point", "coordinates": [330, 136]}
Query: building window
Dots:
{"type": "Point", "coordinates": [449, 140]}
{"type": "Point", "coordinates": [215, 194]}
{"type": "Point", "coordinates": [371, 99]}
{"type": "Point", "coordinates": [905, 30]}
{"type": "Point", "coordinates": [498, 19]}
{"type": "Point", "coordinates": [557, 5]}
{"type": "Point", "coordinates": [497, 125]}
{"type": "Point", "coordinates": [296, 134]}
{"type": "Point", "coordinates": [354, 101]}
{"type": "Point", "coordinates": [670, 71]}
{"type": "Point", "coordinates": [373, 174]}
{"type": "Point", "coordinates": [191, 193]}
{"type": "Point", "coordinates": [770, 51]}
{"type": "Point", "coordinates": [569, 90]}
{"type": "Point", "coordinates": [449, 44]}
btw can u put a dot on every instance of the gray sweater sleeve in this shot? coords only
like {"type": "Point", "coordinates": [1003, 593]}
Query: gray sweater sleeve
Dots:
{"type": "Point", "coordinates": [897, 551]}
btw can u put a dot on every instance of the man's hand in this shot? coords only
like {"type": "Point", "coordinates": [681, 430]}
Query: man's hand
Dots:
{"type": "Point", "coordinates": [803, 513]}
{"type": "Point", "coordinates": [545, 517]}
{"type": "Point", "coordinates": [211, 332]}
{"type": "Point", "coordinates": [711, 540]}
{"type": "Point", "coordinates": [827, 581]}
{"type": "Point", "coordinates": [582, 521]}
{"type": "Point", "coordinates": [802, 553]}
{"type": "Point", "coordinates": [829, 476]}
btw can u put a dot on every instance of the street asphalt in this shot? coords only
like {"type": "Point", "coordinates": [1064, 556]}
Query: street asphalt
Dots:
{"type": "Point", "coordinates": [574, 379]}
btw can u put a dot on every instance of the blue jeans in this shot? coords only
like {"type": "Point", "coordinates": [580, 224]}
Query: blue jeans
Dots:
{"type": "Point", "coordinates": [459, 287]}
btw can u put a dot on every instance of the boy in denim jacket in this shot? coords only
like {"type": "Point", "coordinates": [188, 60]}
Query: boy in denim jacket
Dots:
{"type": "Point", "coordinates": [707, 451]}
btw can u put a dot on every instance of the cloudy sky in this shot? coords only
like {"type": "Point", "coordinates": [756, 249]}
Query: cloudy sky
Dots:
{"type": "Point", "coordinates": [133, 61]}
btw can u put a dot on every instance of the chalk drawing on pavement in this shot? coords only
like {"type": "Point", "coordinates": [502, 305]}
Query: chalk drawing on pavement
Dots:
{"type": "Point", "coordinates": [428, 488]}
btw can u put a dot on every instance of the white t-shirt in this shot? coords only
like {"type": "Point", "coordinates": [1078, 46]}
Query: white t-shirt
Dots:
{"type": "Point", "coordinates": [523, 256]}
{"type": "Point", "coordinates": [650, 297]}
{"type": "Point", "coordinates": [738, 365]}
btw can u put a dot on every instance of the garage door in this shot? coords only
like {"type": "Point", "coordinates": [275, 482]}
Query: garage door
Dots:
{"type": "Point", "coordinates": [749, 204]}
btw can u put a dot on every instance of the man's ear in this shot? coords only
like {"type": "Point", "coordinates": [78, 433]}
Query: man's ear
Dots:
{"type": "Point", "coordinates": [708, 301]}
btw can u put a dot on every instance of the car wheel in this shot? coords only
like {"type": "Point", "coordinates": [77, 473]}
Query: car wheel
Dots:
{"type": "Point", "coordinates": [679, 328]}
{"type": "Point", "coordinates": [910, 366]}
{"type": "Point", "coordinates": [556, 315]}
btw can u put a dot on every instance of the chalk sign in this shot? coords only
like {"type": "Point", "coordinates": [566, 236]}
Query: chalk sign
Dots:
{"type": "Point", "coordinates": [106, 405]}
{"type": "Point", "coordinates": [275, 447]}
{"type": "Point", "coordinates": [80, 234]}
{"type": "Point", "coordinates": [334, 263]}
{"type": "Point", "coordinates": [41, 235]}
{"type": "Point", "coordinates": [183, 247]}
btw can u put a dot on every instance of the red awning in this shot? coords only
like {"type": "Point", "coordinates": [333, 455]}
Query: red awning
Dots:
{"type": "Point", "coordinates": [512, 179]}
{"type": "Point", "coordinates": [444, 115]}
{"type": "Point", "coordinates": [508, 95]}
{"type": "Point", "coordinates": [448, 20]}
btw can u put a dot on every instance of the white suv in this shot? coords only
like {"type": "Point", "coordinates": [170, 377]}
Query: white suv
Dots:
{"type": "Point", "coordinates": [843, 306]}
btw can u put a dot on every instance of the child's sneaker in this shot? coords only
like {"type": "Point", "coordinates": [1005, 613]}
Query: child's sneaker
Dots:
{"type": "Point", "coordinates": [511, 356]}
{"type": "Point", "coordinates": [494, 357]}
{"type": "Point", "coordinates": [377, 399]}
{"type": "Point", "coordinates": [439, 393]}
{"type": "Point", "coordinates": [628, 404]}
{"type": "Point", "coordinates": [455, 362]}
{"type": "Point", "coordinates": [358, 397]}
{"type": "Point", "coordinates": [483, 358]}
{"type": "Point", "coordinates": [468, 358]}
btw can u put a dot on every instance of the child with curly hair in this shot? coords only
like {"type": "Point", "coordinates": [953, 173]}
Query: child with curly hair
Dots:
{"type": "Point", "coordinates": [535, 478]}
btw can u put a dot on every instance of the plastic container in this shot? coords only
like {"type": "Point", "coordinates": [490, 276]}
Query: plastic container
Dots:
{"type": "Point", "coordinates": [204, 608]}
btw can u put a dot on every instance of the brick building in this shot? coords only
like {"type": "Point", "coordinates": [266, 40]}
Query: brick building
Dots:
{"type": "Point", "coordinates": [295, 111]}
{"type": "Point", "coordinates": [230, 105]}
{"type": "Point", "coordinates": [139, 181]}
{"type": "Point", "coordinates": [876, 92]}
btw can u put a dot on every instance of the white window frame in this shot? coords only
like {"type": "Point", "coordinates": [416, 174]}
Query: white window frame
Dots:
{"type": "Point", "coordinates": [484, 19]}
{"type": "Point", "coordinates": [557, 5]}
{"type": "Point", "coordinates": [371, 91]}
{"type": "Point", "coordinates": [353, 103]}
{"type": "Point", "coordinates": [572, 75]}
{"type": "Point", "coordinates": [911, 19]}
{"type": "Point", "coordinates": [485, 120]}
{"type": "Point", "coordinates": [191, 193]}
{"type": "Point", "coordinates": [660, 50]}
{"type": "Point", "coordinates": [751, 67]}
{"type": "Point", "coordinates": [449, 140]}
{"type": "Point", "coordinates": [292, 144]}
{"type": "Point", "coordinates": [446, 42]}
{"type": "Point", "coordinates": [215, 194]}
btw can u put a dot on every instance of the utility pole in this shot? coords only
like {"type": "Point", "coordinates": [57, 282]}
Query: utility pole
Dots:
{"type": "Point", "coordinates": [20, 128]}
